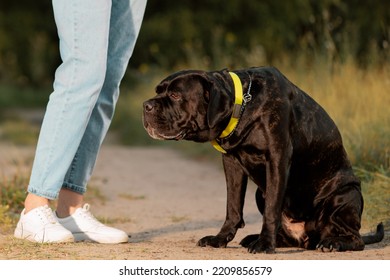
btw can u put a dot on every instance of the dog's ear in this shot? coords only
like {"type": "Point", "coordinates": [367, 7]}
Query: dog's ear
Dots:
{"type": "Point", "coordinates": [219, 98]}
{"type": "Point", "coordinates": [162, 86]}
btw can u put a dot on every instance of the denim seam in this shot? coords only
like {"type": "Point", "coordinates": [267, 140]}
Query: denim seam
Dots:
{"type": "Point", "coordinates": [72, 168]}
{"type": "Point", "coordinates": [48, 195]}
{"type": "Point", "coordinates": [65, 105]}
{"type": "Point", "coordinates": [74, 187]}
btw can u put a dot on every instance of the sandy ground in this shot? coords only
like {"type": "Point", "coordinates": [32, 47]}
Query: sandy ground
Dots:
{"type": "Point", "coordinates": [166, 202]}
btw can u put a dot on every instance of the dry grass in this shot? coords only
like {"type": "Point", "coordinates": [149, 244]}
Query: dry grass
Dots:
{"type": "Point", "coordinates": [358, 101]}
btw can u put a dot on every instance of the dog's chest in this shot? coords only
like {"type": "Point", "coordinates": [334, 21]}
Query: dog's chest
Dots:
{"type": "Point", "coordinates": [254, 165]}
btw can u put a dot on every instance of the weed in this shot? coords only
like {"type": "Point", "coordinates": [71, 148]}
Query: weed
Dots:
{"type": "Point", "coordinates": [12, 195]}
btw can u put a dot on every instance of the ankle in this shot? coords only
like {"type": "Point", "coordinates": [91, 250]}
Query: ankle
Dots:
{"type": "Point", "coordinates": [33, 201]}
{"type": "Point", "coordinates": [68, 202]}
{"type": "Point", "coordinates": [65, 211]}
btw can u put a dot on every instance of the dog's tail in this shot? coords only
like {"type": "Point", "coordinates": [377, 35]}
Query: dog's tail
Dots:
{"type": "Point", "coordinates": [376, 237]}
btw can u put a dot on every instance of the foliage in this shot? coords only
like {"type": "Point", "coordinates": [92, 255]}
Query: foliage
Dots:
{"type": "Point", "coordinates": [22, 97]}
{"type": "Point", "coordinates": [173, 30]}
{"type": "Point", "coordinates": [28, 42]}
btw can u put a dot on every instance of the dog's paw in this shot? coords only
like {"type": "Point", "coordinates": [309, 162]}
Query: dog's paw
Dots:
{"type": "Point", "coordinates": [341, 243]}
{"type": "Point", "coordinates": [261, 246]}
{"type": "Point", "coordinates": [249, 239]}
{"type": "Point", "coordinates": [329, 245]}
{"type": "Point", "coordinates": [213, 241]}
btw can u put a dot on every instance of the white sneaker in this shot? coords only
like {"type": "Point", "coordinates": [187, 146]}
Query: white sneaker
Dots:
{"type": "Point", "coordinates": [84, 226]}
{"type": "Point", "coordinates": [40, 225]}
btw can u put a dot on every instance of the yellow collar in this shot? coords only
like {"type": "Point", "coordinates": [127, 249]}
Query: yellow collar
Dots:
{"type": "Point", "coordinates": [238, 92]}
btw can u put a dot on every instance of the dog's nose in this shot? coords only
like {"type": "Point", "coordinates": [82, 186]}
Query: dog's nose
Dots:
{"type": "Point", "coordinates": [148, 106]}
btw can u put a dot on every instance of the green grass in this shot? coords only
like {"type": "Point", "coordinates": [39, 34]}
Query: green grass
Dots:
{"type": "Point", "coordinates": [22, 97]}
{"type": "Point", "coordinates": [376, 194]}
{"type": "Point", "coordinates": [12, 195]}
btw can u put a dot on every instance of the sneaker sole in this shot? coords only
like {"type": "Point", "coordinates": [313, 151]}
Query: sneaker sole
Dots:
{"type": "Point", "coordinates": [82, 236]}
{"type": "Point", "coordinates": [26, 235]}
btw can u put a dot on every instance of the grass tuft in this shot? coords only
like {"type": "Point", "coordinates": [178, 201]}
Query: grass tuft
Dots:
{"type": "Point", "coordinates": [12, 195]}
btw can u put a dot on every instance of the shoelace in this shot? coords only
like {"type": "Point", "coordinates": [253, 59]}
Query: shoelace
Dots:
{"type": "Point", "coordinates": [88, 215]}
{"type": "Point", "coordinates": [47, 215]}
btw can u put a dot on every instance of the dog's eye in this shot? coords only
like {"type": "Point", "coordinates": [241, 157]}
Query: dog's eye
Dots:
{"type": "Point", "coordinates": [175, 96]}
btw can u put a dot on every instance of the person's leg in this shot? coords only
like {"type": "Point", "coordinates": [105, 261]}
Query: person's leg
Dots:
{"type": "Point", "coordinates": [126, 19]}
{"type": "Point", "coordinates": [68, 202]}
{"type": "Point", "coordinates": [83, 29]}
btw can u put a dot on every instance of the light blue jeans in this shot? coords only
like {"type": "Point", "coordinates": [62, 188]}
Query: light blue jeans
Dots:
{"type": "Point", "coordinates": [97, 38]}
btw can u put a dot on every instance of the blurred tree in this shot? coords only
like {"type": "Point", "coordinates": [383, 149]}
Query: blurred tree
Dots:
{"type": "Point", "coordinates": [215, 33]}
{"type": "Point", "coordinates": [213, 29]}
{"type": "Point", "coordinates": [28, 42]}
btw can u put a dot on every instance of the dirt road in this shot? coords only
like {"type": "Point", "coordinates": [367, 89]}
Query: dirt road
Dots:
{"type": "Point", "coordinates": [166, 202]}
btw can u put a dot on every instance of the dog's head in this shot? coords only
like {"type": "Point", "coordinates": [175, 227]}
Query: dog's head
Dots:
{"type": "Point", "coordinates": [191, 105]}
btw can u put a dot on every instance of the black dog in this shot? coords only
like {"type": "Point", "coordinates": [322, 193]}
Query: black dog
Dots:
{"type": "Point", "coordinates": [275, 134]}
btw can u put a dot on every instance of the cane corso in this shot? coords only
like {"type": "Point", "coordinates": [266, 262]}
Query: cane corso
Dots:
{"type": "Point", "coordinates": [275, 134]}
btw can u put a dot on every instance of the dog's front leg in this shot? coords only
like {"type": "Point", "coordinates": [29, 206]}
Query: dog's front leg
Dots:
{"type": "Point", "coordinates": [277, 168]}
{"type": "Point", "coordinates": [236, 182]}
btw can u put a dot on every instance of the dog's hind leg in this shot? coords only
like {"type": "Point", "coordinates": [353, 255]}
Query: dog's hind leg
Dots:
{"type": "Point", "coordinates": [283, 239]}
{"type": "Point", "coordinates": [339, 221]}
